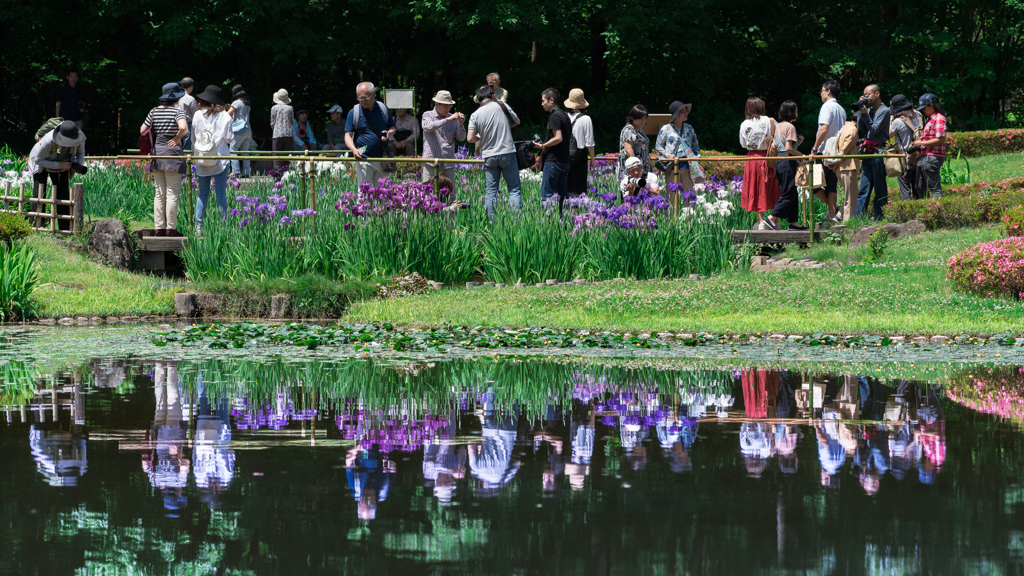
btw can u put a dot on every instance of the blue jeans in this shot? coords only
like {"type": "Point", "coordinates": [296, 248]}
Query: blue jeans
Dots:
{"type": "Point", "coordinates": [555, 179]}
{"type": "Point", "coordinates": [220, 182]}
{"type": "Point", "coordinates": [506, 166]}
{"type": "Point", "coordinates": [241, 143]}
{"type": "Point", "coordinates": [872, 175]}
{"type": "Point", "coordinates": [186, 142]}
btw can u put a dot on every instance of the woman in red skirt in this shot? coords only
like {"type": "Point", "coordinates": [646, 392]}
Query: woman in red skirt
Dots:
{"type": "Point", "coordinates": [760, 188]}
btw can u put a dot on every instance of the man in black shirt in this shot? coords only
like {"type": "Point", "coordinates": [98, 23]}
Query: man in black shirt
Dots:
{"type": "Point", "coordinates": [71, 101]}
{"type": "Point", "coordinates": [555, 154]}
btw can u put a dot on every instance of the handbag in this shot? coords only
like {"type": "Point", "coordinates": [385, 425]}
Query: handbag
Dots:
{"type": "Point", "coordinates": [241, 123]}
{"type": "Point", "coordinates": [772, 154]}
{"type": "Point", "coordinates": [205, 146]}
{"type": "Point", "coordinates": [895, 167]}
{"type": "Point", "coordinates": [389, 152]}
{"type": "Point", "coordinates": [525, 156]}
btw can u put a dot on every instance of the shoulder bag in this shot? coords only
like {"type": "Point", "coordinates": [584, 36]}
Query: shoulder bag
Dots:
{"type": "Point", "coordinates": [389, 146]}
{"type": "Point", "coordinates": [241, 123]}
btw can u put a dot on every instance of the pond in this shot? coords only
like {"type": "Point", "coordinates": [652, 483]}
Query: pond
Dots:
{"type": "Point", "coordinates": [121, 464]}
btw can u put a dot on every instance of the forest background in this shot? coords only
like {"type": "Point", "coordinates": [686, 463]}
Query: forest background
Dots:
{"type": "Point", "coordinates": [713, 53]}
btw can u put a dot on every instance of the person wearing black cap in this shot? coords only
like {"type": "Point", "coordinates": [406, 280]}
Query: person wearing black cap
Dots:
{"type": "Point", "coordinates": [213, 123]}
{"type": "Point", "coordinates": [169, 127]}
{"type": "Point", "coordinates": [335, 139]}
{"type": "Point", "coordinates": [56, 154]}
{"type": "Point", "coordinates": [302, 132]}
{"type": "Point", "coordinates": [932, 144]}
{"type": "Point", "coordinates": [906, 126]}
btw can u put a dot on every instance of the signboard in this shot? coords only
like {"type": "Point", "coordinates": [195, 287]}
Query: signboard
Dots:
{"type": "Point", "coordinates": [399, 98]}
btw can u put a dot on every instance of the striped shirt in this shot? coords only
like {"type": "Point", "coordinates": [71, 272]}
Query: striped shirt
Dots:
{"type": "Point", "coordinates": [164, 119]}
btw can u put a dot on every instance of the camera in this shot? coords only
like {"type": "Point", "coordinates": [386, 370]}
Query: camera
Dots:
{"type": "Point", "coordinates": [80, 168]}
{"type": "Point", "coordinates": [912, 149]}
{"type": "Point", "coordinates": [640, 182]}
{"type": "Point", "coordinates": [860, 104]}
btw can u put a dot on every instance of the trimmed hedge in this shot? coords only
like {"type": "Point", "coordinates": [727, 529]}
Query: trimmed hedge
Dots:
{"type": "Point", "coordinates": [990, 269]}
{"type": "Point", "coordinates": [963, 206]}
{"type": "Point", "coordinates": [985, 142]}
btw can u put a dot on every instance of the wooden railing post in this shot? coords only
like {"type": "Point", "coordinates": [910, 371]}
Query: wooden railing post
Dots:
{"type": "Point", "coordinates": [7, 194]}
{"type": "Point", "coordinates": [78, 197]}
{"type": "Point", "coordinates": [21, 199]}
{"type": "Point", "coordinates": [53, 210]}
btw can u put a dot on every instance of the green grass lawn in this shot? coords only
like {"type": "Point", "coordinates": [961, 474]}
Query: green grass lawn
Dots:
{"type": "Point", "coordinates": [905, 293]}
{"type": "Point", "coordinates": [75, 285]}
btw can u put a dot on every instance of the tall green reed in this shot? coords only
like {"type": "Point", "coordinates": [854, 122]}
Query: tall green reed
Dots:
{"type": "Point", "coordinates": [19, 277]}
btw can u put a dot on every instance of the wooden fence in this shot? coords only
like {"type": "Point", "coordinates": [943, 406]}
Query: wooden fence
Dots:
{"type": "Point", "coordinates": [34, 206]}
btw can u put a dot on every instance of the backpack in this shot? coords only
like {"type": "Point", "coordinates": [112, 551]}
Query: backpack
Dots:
{"type": "Point", "coordinates": [205, 146]}
{"type": "Point", "coordinates": [831, 149]}
{"type": "Point", "coordinates": [389, 147]}
{"type": "Point", "coordinates": [241, 123]}
{"type": "Point", "coordinates": [47, 126]}
{"type": "Point", "coordinates": [525, 156]}
{"type": "Point", "coordinates": [575, 152]}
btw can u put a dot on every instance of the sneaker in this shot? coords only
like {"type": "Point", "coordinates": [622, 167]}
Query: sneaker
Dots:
{"type": "Point", "coordinates": [160, 232]}
{"type": "Point", "coordinates": [797, 228]}
{"type": "Point", "coordinates": [769, 226]}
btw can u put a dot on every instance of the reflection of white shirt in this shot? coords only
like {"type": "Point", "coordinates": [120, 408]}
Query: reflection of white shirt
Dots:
{"type": "Point", "coordinates": [582, 444]}
{"type": "Point", "coordinates": [755, 440]}
{"type": "Point", "coordinates": [214, 462]}
{"type": "Point", "coordinates": [60, 456]}
{"type": "Point", "coordinates": [494, 463]}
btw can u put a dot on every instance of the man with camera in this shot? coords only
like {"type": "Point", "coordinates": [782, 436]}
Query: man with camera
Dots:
{"type": "Point", "coordinates": [872, 121]}
{"type": "Point", "coordinates": [367, 128]}
{"type": "Point", "coordinates": [636, 181]}
{"type": "Point", "coordinates": [491, 126]}
{"type": "Point", "coordinates": [58, 153]}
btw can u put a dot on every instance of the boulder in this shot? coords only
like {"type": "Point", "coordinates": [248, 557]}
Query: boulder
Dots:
{"type": "Point", "coordinates": [111, 242]}
{"type": "Point", "coordinates": [860, 238]}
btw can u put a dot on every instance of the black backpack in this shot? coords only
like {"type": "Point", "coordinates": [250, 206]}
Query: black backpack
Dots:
{"type": "Point", "coordinates": [575, 152]}
{"type": "Point", "coordinates": [525, 156]}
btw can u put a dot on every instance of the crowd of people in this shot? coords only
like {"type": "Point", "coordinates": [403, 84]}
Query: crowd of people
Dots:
{"type": "Point", "coordinates": [371, 130]}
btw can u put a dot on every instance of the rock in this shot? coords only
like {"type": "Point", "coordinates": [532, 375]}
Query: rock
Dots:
{"type": "Point", "coordinates": [112, 243]}
{"type": "Point", "coordinates": [48, 321]}
{"type": "Point", "coordinates": [831, 264]}
{"type": "Point", "coordinates": [694, 276]}
{"type": "Point", "coordinates": [860, 238]}
{"type": "Point", "coordinates": [940, 338]}
{"type": "Point", "coordinates": [489, 284]}
{"type": "Point", "coordinates": [520, 285]}
{"type": "Point", "coordinates": [112, 319]}
{"type": "Point", "coordinates": [185, 304]}
{"type": "Point", "coordinates": [279, 305]}
{"type": "Point", "coordinates": [540, 284]}
{"type": "Point", "coordinates": [499, 285]}
{"type": "Point", "coordinates": [777, 336]}
{"type": "Point", "coordinates": [897, 338]}
{"type": "Point", "coordinates": [552, 282]}
{"type": "Point", "coordinates": [66, 321]}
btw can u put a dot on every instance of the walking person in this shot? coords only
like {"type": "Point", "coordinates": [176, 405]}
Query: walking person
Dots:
{"type": "Point", "coordinates": [932, 145]}
{"type": "Point", "coordinates": [678, 140]}
{"type": "Point", "coordinates": [367, 128]}
{"type": "Point", "coordinates": [831, 118]}
{"type": "Point", "coordinates": [239, 111]}
{"type": "Point", "coordinates": [633, 142]}
{"type": "Point", "coordinates": [872, 121]}
{"type": "Point", "coordinates": [583, 132]}
{"type": "Point", "coordinates": [441, 128]}
{"type": "Point", "coordinates": [212, 118]}
{"type": "Point", "coordinates": [57, 154]}
{"type": "Point", "coordinates": [491, 126]}
{"type": "Point", "coordinates": [281, 118]}
{"type": "Point", "coordinates": [555, 149]}
{"type": "Point", "coordinates": [167, 121]}
{"type": "Point", "coordinates": [760, 187]}
{"type": "Point", "coordinates": [786, 140]}
{"type": "Point", "coordinates": [905, 123]}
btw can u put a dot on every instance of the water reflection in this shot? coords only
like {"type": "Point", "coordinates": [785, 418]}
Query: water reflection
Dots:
{"type": "Point", "coordinates": [412, 458]}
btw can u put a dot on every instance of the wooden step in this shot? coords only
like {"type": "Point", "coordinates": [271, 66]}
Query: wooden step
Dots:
{"type": "Point", "coordinates": [773, 236]}
{"type": "Point", "coordinates": [162, 243]}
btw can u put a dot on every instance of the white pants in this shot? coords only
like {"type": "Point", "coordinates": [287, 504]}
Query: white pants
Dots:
{"type": "Point", "coordinates": [165, 205]}
{"type": "Point", "coordinates": [369, 172]}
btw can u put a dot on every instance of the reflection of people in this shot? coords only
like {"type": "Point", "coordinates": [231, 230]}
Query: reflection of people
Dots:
{"type": "Point", "coordinates": [632, 434]}
{"type": "Point", "coordinates": [214, 461]}
{"type": "Point", "coordinates": [760, 388]}
{"type": "Point", "coordinates": [167, 466]}
{"type": "Point", "coordinates": [831, 452]}
{"type": "Point", "coordinates": [443, 463]}
{"type": "Point", "coordinates": [933, 432]}
{"type": "Point", "coordinates": [757, 445]}
{"type": "Point", "coordinates": [491, 461]}
{"type": "Point", "coordinates": [369, 475]}
{"type": "Point", "coordinates": [60, 455]}
{"type": "Point", "coordinates": [786, 439]}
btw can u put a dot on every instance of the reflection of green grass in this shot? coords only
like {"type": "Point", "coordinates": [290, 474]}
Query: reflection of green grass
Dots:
{"type": "Point", "coordinates": [906, 293]}
{"type": "Point", "coordinates": [79, 286]}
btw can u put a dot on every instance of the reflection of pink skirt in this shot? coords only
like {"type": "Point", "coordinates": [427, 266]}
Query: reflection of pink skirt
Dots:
{"type": "Point", "coordinates": [760, 192]}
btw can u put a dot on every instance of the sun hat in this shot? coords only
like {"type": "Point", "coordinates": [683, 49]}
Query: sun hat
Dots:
{"type": "Point", "coordinates": [633, 161]}
{"type": "Point", "coordinates": [576, 100]}
{"type": "Point", "coordinates": [211, 95]}
{"type": "Point", "coordinates": [281, 97]}
{"type": "Point", "coordinates": [335, 110]}
{"type": "Point", "coordinates": [172, 91]}
{"type": "Point", "coordinates": [676, 107]}
{"type": "Point", "coordinates": [68, 135]}
{"type": "Point", "coordinates": [899, 103]}
{"type": "Point", "coordinates": [443, 97]}
{"type": "Point", "coordinates": [926, 99]}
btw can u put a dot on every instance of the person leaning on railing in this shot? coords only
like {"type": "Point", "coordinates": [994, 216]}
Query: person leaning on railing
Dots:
{"type": "Point", "coordinates": [932, 145]}
{"type": "Point", "coordinates": [55, 155]}
{"type": "Point", "coordinates": [169, 127]}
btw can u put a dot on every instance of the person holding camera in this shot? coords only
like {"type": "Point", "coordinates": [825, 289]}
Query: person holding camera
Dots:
{"type": "Point", "coordinates": [905, 123]}
{"type": "Point", "coordinates": [636, 180]}
{"type": "Point", "coordinates": [368, 126]}
{"type": "Point", "coordinates": [441, 128]}
{"type": "Point", "coordinates": [554, 156]}
{"type": "Point", "coordinates": [491, 126]}
{"type": "Point", "coordinates": [57, 154]}
{"type": "Point", "coordinates": [169, 127]}
{"type": "Point", "coordinates": [831, 118]}
{"type": "Point", "coordinates": [872, 121]}
{"type": "Point", "coordinates": [932, 145]}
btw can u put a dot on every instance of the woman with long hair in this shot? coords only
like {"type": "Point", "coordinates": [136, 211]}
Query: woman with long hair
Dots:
{"type": "Point", "coordinates": [904, 124]}
{"type": "Point", "coordinates": [169, 126]}
{"type": "Point", "coordinates": [210, 117]}
{"type": "Point", "coordinates": [239, 111]}
{"type": "Point", "coordinates": [760, 187]}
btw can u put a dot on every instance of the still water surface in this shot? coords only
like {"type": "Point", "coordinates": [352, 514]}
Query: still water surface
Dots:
{"type": "Point", "coordinates": [486, 467]}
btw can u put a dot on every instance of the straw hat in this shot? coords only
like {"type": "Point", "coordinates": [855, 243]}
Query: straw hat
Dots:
{"type": "Point", "coordinates": [444, 97]}
{"type": "Point", "coordinates": [576, 100]}
{"type": "Point", "coordinates": [281, 97]}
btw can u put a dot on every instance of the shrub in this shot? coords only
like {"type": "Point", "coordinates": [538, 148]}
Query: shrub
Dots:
{"type": "Point", "coordinates": [19, 277]}
{"type": "Point", "coordinates": [13, 227]}
{"type": "Point", "coordinates": [990, 269]}
{"type": "Point", "coordinates": [972, 208]}
{"type": "Point", "coordinates": [985, 142]}
{"type": "Point", "coordinates": [309, 296]}
{"type": "Point", "coordinates": [1013, 221]}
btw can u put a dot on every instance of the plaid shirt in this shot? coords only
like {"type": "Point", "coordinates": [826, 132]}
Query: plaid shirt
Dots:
{"type": "Point", "coordinates": [439, 135]}
{"type": "Point", "coordinates": [935, 128]}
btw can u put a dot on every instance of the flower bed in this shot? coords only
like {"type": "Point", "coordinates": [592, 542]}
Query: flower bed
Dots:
{"type": "Point", "coordinates": [998, 390]}
{"type": "Point", "coordinates": [990, 269]}
{"type": "Point", "coordinates": [985, 142]}
{"type": "Point", "coordinates": [965, 205]}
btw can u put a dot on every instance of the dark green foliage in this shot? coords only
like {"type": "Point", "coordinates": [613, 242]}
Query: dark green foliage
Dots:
{"type": "Point", "coordinates": [13, 227]}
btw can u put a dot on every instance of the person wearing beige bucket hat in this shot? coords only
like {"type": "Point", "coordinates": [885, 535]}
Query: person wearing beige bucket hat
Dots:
{"type": "Point", "coordinates": [441, 128]}
{"type": "Point", "coordinates": [583, 132]}
{"type": "Point", "coordinates": [281, 118]}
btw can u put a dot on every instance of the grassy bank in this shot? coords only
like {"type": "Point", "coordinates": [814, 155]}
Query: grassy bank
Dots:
{"type": "Point", "coordinates": [904, 293]}
{"type": "Point", "coordinates": [77, 286]}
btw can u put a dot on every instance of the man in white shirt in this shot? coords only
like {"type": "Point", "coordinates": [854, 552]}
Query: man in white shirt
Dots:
{"type": "Point", "coordinates": [635, 170]}
{"type": "Point", "coordinates": [583, 132]}
{"type": "Point", "coordinates": [187, 103]}
{"type": "Point", "coordinates": [831, 118]}
{"type": "Point", "coordinates": [491, 125]}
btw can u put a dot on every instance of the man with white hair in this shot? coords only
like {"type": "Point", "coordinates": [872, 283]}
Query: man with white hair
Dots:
{"type": "Point", "coordinates": [367, 128]}
{"type": "Point", "coordinates": [494, 81]}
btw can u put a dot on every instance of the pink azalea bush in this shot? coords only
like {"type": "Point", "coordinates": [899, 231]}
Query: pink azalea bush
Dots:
{"type": "Point", "coordinates": [990, 268]}
{"type": "Point", "coordinates": [985, 142]}
{"type": "Point", "coordinates": [1013, 221]}
{"type": "Point", "coordinates": [998, 391]}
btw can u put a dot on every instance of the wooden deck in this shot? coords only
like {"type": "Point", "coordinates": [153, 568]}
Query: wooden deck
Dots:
{"type": "Point", "coordinates": [154, 249]}
{"type": "Point", "coordinates": [773, 236]}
